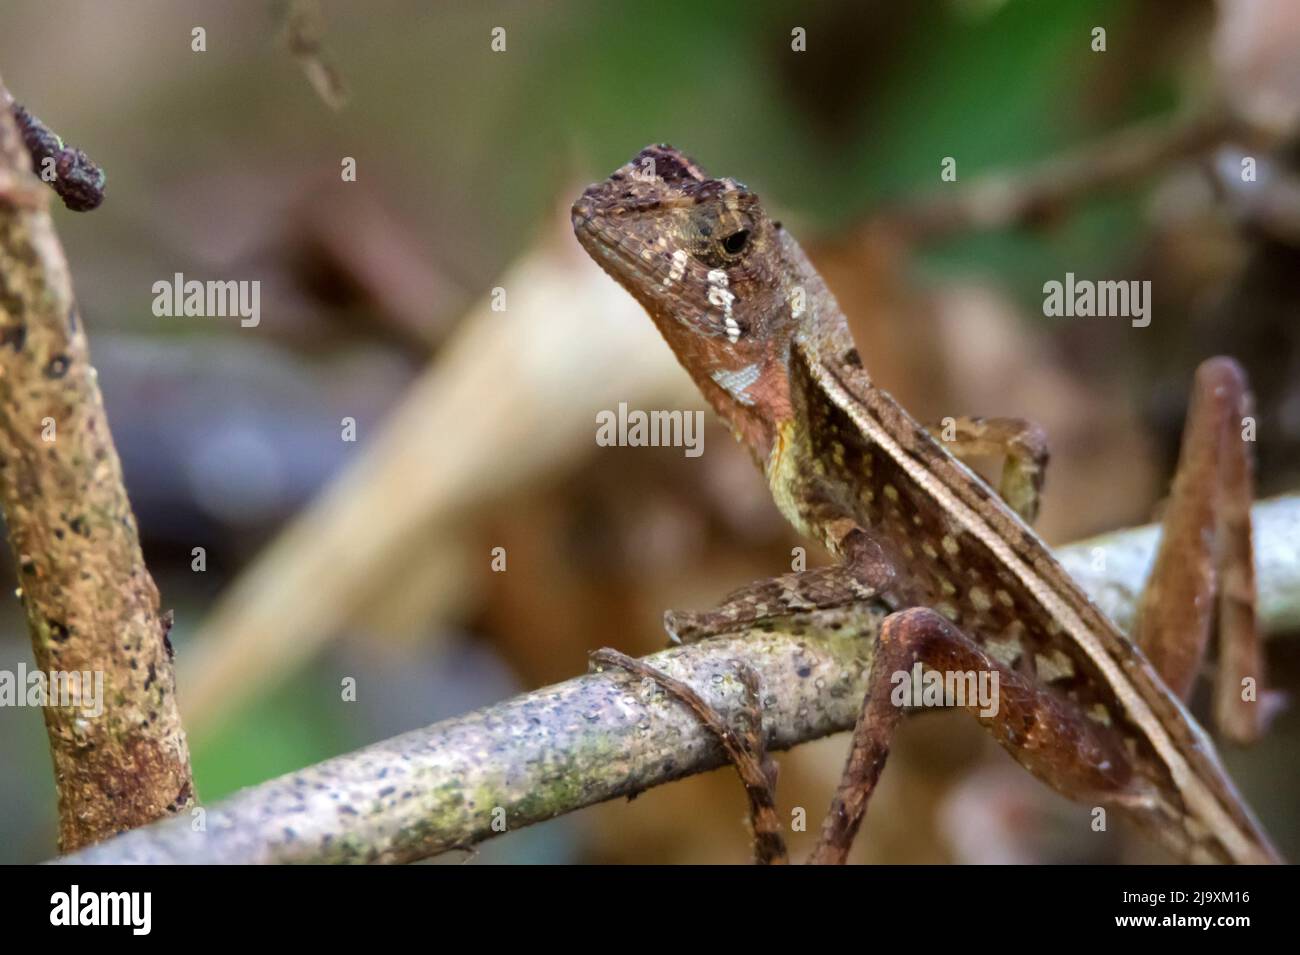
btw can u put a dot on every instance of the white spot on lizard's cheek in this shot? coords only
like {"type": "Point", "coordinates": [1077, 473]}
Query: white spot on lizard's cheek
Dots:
{"type": "Point", "coordinates": [736, 383]}
{"type": "Point", "coordinates": [723, 298]}
{"type": "Point", "coordinates": [679, 267]}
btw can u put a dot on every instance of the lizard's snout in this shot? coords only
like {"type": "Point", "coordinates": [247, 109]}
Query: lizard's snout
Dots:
{"type": "Point", "coordinates": [581, 211]}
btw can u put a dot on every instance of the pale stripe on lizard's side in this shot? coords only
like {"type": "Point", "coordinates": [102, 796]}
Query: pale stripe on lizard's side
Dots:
{"type": "Point", "coordinates": [1051, 595]}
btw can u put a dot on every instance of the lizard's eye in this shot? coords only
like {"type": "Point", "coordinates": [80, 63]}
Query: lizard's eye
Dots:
{"type": "Point", "coordinates": [735, 243]}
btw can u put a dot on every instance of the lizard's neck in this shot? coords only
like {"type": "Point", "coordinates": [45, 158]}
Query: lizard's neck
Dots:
{"type": "Point", "coordinates": [785, 469]}
{"type": "Point", "coordinates": [763, 411]}
{"type": "Point", "coordinates": [758, 419]}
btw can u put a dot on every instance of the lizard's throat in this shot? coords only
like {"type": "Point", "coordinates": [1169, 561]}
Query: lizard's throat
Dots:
{"type": "Point", "coordinates": [754, 400]}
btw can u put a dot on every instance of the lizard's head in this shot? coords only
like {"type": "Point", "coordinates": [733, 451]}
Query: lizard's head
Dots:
{"type": "Point", "coordinates": [713, 272]}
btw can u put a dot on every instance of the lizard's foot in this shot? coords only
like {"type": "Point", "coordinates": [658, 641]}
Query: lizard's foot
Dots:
{"type": "Point", "coordinates": [1022, 444]}
{"type": "Point", "coordinates": [745, 747]}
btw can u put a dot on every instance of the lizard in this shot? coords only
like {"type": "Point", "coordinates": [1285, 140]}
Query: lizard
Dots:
{"type": "Point", "coordinates": [969, 585]}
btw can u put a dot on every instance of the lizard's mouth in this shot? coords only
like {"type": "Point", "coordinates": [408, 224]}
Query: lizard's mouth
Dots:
{"type": "Point", "coordinates": [582, 215]}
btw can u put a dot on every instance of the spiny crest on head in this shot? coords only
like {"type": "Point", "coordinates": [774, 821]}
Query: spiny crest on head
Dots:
{"type": "Point", "coordinates": [656, 176]}
{"type": "Point", "coordinates": [668, 164]}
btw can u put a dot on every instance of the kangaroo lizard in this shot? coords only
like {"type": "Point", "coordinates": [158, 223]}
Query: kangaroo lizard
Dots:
{"type": "Point", "coordinates": [971, 587]}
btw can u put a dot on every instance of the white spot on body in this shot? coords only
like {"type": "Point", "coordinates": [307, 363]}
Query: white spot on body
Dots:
{"type": "Point", "coordinates": [1006, 649]}
{"type": "Point", "coordinates": [1053, 665]}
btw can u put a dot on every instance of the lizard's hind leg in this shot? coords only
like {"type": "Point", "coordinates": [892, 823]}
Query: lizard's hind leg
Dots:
{"type": "Point", "coordinates": [746, 748]}
{"type": "Point", "coordinates": [1206, 553]}
{"type": "Point", "coordinates": [1047, 734]}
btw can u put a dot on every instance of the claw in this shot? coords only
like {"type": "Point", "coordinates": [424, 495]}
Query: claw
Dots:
{"type": "Point", "coordinates": [672, 624]}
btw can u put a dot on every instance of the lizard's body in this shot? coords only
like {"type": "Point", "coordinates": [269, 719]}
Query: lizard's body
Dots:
{"type": "Point", "coordinates": [765, 340]}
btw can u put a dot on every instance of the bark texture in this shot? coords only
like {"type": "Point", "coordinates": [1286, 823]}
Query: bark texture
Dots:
{"type": "Point", "coordinates": [608, 735]}
{"type": "Point", "coordinates": [91, 605]}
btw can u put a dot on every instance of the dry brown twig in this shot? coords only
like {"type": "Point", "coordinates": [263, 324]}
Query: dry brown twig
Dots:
{"type": "Point", "coordinates": [91, 606]}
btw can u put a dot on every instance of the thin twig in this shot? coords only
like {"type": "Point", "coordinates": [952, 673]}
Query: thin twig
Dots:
{"type": "Point", "coordinates": [120, 755]}
{"type": "Point", "coordinates": [597, 737]}
{"type": "Point", "coordinates": [1041, 193]}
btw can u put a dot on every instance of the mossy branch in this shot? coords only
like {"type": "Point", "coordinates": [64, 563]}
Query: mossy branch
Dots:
{"type": "Point", "coordinates": [603, 735]}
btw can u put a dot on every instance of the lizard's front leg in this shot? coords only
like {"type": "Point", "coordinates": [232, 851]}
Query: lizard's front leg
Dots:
{"type": "Point", "coordinates": [864, 572]}
{"type": "Point", "coordinates": [1206, 553]}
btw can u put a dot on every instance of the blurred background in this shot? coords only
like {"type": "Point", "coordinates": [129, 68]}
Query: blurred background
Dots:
{"type": "Point", "coordinates": [295, 558]}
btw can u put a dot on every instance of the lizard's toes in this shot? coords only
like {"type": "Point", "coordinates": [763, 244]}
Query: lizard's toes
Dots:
{"type": "Point", "coordinates": [680, 626]}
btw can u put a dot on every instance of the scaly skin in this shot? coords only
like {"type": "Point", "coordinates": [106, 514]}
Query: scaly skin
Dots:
{"type": "Point", "coordinates": [748, 316]}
